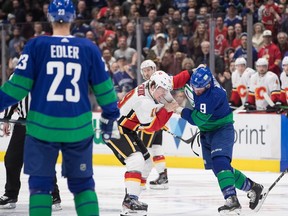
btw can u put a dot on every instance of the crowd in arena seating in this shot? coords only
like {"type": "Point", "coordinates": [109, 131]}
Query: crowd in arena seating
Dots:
{"type": "Point", "coordinates": [174, 33]}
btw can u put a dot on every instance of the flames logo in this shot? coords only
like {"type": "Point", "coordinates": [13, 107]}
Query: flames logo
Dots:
{"type": "Point", "coordinates": [259, 93]}
{"type": "Point", "coordinates": [242, 91]}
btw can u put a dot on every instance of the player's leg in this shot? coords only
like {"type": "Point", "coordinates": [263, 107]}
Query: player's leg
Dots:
{"type": "Point", "coordinates": [131, 156]}
{"type": "Point", "coordinates": [153, 141]}
{"type": "Point", "coordinates": [222, 141]}
{"type": "Point", "coordinates": [39, 162]}
{"type": "Point", "coordinates": [56, 199]}
{"type": "Point", "coordinates": [254, 190]}
{"type": "Point", "coordinates": [78, 169]}
{"type": "Point", "coordinates": [13, 161]}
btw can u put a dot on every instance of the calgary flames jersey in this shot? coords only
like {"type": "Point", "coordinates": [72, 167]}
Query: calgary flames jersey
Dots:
{"type": "Point", "coordinates": [284, 88]}
{"type": "Point", "coordinates": [139, 109]}
{"type": "Point", "coordinates": [240, 84]}
{"type": "Point", "coordinates": [269, 83]}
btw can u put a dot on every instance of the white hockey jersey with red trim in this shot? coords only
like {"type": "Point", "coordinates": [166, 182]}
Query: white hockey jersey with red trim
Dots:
{"type": "Point", "coordinates": [138, 108]}
{"type": "Point", "coordinates": [268, 83]}
{"type": "Point", "coordinates": [240, 83]}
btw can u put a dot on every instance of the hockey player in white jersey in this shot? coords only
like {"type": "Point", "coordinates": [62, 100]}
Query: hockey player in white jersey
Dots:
{"type": "Point", "coordinates": [284, 82]}
{"type": "Point", "coordinates": [140, 110]}
{"type": "Point", "coordinates": [262, 83]}
{"type": "Point", "coordinates": [153, 140]}
{"type": "Point", "coordinates": [240, 82]}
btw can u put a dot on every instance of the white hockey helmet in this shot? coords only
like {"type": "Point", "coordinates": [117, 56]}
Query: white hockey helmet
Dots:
{"type": "Point", "coordinates": [285, 61]}
{"type": "Point", "coordinates": [240, 61]}
{"type": "Point", "coordinates": [162, 79]}
{"type": "Point", "coordinates": [262, 62]}
{"type": "Point", "coordinates": [145, 64]}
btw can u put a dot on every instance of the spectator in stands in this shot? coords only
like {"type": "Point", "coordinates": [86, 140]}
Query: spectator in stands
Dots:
{"type": "Point", "coordinates": [282, 42]}
{"type": "Point", "coordinates": [146, 31]}
{"type": "Point", "coordinates": [38, 29]}
{"type": "Point", "coordinates": [27, 30]}
{"type": "Point", "coordinates": [124, 79]}
{"type": "Point", "coordinates": [91, 36]}
{"type": "Point", "coordinates": [203, 58]}
{"type": "Point", "coordinates": [240, 82]}
{"type": "Point", "coordinates": [271, 52]}
{"type": "Point", "coordinates": [131, 35]}
{"type": "Point", "coordinates": [18, 11]}
{"type": "Point", "coordinates": [80, 28]}
{"type": "Point", "coordinates": [284, 82]}
{"type": "Point", "coordinates": [249, 7]}
{"type": "Point", "coordinates": [172, 60]}
{"type": "Point", "coordinates": [238, 31]}
{"type": "Point", "coordinates": [151, 40]}
{"type": "Point", "coordinates": [44, 20]}
{"type": "Point", "coordinates": [107, 56]}
{"type": "Point", "coordinates": [191, 18]}
{"type": "Point", "coordinates": [241, 51]}
{"type": "Point", "coordinates": [161, 47]}
{"type": "Point", "coordinates": [82, 10]}
{"type": "Point", "coordinates": [232, 15]}
{"type": "Point", "coordinates": [124, 50]}
{"type": "Point", "coordinates": [177, 20]}
{"type": "Point", "coordinates": [102, 33]}
{"type": "Point", "coordinates": [172, 34]}
{"type": "Point", "coordinates": [269, 13]}
{"type": "Point", "coordinates": [230, 35]}
{"type": "Point", "coordinates": [16, 39]}
{"type": "Point", "coordinates": [257, 38]}
{"type": "Point", "coordinates": [187, 64]}
{"type": "Point", "coordinates": [262, 82]}
{"type": "Point", "coordinates": [184, 36]}
{"type": "Point", "coordinates": [108, 44]}
{"type": "Point", "coordinates": [194, 43]}
{"type": "Point", "coordinates": [220, 35]}
{"type": "Point", "coordinates": [216, 9]}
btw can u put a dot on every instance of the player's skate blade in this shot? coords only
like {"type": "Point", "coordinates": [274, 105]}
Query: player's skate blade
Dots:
{"type": "Point", "coordinates": [261, 200]}
{"type": "Point", "coordinates": [7, 202]}
{"type": "Point", "coordinates": [56, 207]}
{"type": "Point", "coordinates": [231, 207]}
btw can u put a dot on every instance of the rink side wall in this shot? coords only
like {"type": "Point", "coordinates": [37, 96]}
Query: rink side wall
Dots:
{"type": "Point", "coordinates": [261, 144]}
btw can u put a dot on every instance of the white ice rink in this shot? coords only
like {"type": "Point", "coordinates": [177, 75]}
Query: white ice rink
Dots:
{"type": "Point", "coordinates": [192, 193]}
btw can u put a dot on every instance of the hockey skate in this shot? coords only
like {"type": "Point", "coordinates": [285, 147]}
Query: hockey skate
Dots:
{"type": "Point", "coordinates": [133, 207]}
{"type": "Point", "coordinates": [7, 202]}
{"type": "Point", "coordinates": [56, 203]}
{"type": "Point", "coordinates": [231, 206]}
{"type": "Point", "coordinates": [161, 183]}
{"type": "Point", "coordinates": [257, 196]}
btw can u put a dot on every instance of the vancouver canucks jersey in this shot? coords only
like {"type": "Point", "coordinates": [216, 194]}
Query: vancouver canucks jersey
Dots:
{"type": "Point", "coordinates": [211, 109]}
{"type": "Point", "coordinates": [57, 71]}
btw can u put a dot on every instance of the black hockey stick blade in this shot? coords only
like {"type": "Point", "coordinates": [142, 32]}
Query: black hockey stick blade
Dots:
{"type": "Point", "coordinates": [13, 121]}
{"type": "Point", "coordinates": [266, 192]}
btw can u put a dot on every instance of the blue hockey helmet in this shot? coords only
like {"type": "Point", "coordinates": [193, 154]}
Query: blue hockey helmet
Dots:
{"type": "Point", "coordinates": [201, 77]}
{"type": "Point", "coordinates": [61, 11]}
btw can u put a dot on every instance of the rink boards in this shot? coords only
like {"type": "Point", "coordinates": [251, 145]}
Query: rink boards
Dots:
{"type": "Point", "coordinates": [261, 143]}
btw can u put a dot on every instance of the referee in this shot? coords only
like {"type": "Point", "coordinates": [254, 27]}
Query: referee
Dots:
{"type": "Point", "coordinates": [13, 159]}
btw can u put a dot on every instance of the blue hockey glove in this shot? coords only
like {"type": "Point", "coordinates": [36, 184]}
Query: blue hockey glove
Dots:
{"type": "Point", "coordinates": [109, 129]}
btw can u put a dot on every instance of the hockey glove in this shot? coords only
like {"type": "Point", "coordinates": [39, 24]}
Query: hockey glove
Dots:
{"type": "Point", "coordinates": [276, 108]}
{"type": "Point", "coordinates": [249, 106]}
{"type": "Point", "coordinates": [109, 129]}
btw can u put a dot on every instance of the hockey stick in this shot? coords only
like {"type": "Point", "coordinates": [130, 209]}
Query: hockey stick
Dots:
{"type": "Point", "coordinates": [265, 194]}
{"type": "Point", "coordinates": [268, 99]}
{"type": "Point", "coordinates": [13, 121]}
{"type": "Point", "coordinates": [188, 141]}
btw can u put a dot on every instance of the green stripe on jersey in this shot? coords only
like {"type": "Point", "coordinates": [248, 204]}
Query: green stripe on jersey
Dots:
{"type": "Point", "coordinates": [56, 129]}
{"type": "Point", "coordinates": [22, 81]}
{"type": "Point", "coordinates": [59, 122]}
{"type": "Point", "coordinates": [105, 93]}
{"type": "Point", "coordinates": [14, 91]}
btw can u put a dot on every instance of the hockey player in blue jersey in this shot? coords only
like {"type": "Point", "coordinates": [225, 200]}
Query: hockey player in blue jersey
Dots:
{"type": "Point", "coordinates": [214, 119]}
{"type": "Point", "coordinates": [57, 70]}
